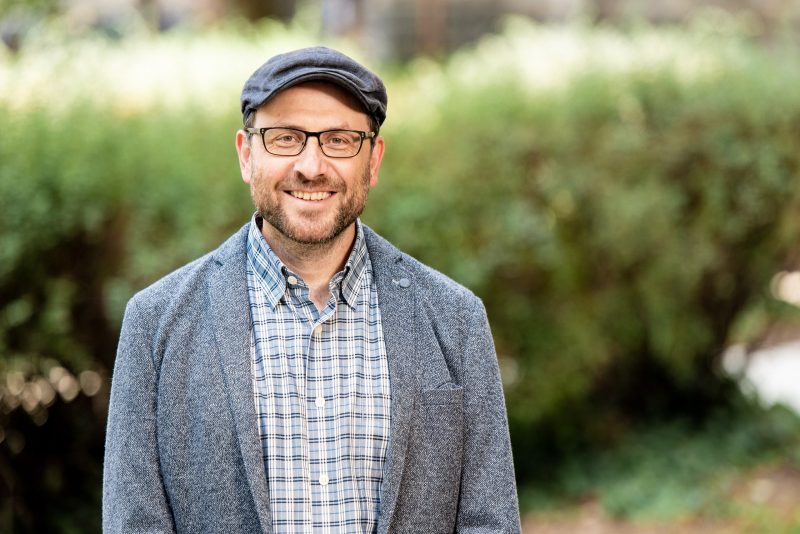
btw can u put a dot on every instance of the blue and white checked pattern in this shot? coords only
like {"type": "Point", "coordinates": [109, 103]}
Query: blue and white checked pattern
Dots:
{"type": "Point", "coordinates": [321, 386]}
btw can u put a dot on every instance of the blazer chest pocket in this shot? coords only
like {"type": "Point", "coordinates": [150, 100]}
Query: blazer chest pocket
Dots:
{"type": "Point", "coordinates": [443, 395]}
{"type": "Point", "coordinates": [442, 408]}
{"type": "Point", "coordinates": [435, 456]}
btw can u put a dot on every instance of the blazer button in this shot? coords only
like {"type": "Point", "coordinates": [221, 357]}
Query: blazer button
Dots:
{"type": "Point", "coordinates": [404, 282]}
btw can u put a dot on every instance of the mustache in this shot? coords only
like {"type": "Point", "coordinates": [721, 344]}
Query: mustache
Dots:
{"type": "Point", "coordinates": [323, 182]}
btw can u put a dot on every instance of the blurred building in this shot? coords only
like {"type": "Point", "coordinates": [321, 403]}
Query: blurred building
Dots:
{"type": "Point", "coordinates": [120, 17]}
{"type": "Point", "coordinates": [164, 14]}
{"type": "Point", "coordinates": [400, 29]}
{"type": "Point", "coordinates": [391, 29]}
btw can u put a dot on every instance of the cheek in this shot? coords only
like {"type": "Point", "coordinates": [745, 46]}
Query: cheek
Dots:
{"type": "Point", "coordinates": [262, 176]}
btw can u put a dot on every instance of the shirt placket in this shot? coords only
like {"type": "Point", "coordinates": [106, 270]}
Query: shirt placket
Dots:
{"type": "Point", "coordinates": [314, 387]}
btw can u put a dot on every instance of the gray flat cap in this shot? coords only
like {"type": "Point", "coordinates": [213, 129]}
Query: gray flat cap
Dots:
{"type": "Point", "coordinates": [314, 64]}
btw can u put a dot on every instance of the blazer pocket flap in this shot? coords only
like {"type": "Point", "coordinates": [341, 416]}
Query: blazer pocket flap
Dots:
{"type": "Point", "coordinates": [443, 395]}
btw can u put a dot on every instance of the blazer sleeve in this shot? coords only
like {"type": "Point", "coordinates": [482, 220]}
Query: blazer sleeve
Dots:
{"type": "Point", "coordinates": [488, 498]}
{"type": "Point", "coordinates": [134, 499]}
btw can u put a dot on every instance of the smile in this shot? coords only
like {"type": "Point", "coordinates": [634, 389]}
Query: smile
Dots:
{"type": "Point", "coordinates": [316, 195]}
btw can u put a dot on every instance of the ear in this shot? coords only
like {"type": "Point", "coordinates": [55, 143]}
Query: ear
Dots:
{"type": "Point", "coordinates": [245, 153]}
{"type": "Point", "coordinates": [375, 159]}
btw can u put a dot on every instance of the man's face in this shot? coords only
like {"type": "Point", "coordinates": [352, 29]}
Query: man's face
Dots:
{"type": "Point", "coordinates": [309, 198]}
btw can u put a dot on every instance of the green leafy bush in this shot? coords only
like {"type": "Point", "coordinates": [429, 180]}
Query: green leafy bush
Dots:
{"type": "Point", "coordinates": [619, 202]}
{"type": "Point", "coordinates": [620, 209]}
{"type": "Point", "coordinates": [675, 469]}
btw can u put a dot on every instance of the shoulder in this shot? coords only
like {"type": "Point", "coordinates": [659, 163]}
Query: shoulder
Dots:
{"type": "Point", "coordinates": [187, 284]}
{"type": "Point", "coordinates": [436, 288]}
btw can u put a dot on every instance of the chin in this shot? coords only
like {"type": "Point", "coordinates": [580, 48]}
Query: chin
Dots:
{"type": "Point", "coordinates": [307, 228]}
{"type": "Point", "coordinates": [311, 238]}
{"type": "Point", "coordinates": [308, 234]}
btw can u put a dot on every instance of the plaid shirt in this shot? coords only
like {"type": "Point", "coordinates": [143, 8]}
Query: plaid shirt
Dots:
{"type": "Point", "coordinates": [321, 387]}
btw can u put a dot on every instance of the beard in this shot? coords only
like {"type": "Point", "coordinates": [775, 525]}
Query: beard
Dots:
{"type": "Point", "coordinates": [316, 232]}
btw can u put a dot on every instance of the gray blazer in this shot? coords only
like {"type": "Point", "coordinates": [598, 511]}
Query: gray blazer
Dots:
{"type": "Point", "coordinates": [182, 446]}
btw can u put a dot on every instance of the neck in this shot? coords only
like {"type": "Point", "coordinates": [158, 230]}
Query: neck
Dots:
{"type": "Point", "coordinates": [316, 263]}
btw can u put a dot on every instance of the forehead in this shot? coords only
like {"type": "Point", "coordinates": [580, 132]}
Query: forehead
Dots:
{"type": "Point", "coordinates": [318, 101]}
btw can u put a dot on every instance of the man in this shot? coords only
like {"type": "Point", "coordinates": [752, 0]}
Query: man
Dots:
{"type": "Point", "coordinates": [307, 376]}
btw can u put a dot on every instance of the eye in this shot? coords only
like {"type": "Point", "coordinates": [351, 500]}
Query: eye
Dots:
{"type": "Point", "coordinates": [337, 139]}
{"type": "Point", "coordinates": [285, 138]}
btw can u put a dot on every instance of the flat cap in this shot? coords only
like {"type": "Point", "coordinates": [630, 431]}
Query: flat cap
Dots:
{"type": "Point", "coordinates": [314, 64]}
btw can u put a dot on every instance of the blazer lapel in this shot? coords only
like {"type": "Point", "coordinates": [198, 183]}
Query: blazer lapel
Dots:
{"type": "Point", "coordinates": [231, 312]}
{"type": "Point", "coordinates": [397, 301]}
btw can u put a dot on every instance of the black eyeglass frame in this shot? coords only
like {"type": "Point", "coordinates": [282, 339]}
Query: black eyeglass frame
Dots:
{"type": "Point", "coordinates": [362, 135]}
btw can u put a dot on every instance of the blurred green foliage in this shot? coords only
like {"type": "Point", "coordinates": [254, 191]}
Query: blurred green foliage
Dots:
{"type": "Point", "coordinates": [620, 203]}
{"type": "Point", "coordinates": [91, 204]}
{"type": "Point", "coordinates": [677, 469]}
{"type": "Point", "coordinates": [621, 227]}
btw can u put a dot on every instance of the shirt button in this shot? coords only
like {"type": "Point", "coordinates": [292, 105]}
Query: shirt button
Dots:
{"type": "Point", "coordinates": [318, 330]}
{"type": "Point", "coordinates": [320, 402]}
{"type": "Point", "coordinates": [292, 280]}
{"type": "Point", "coordinates": [323, 480]}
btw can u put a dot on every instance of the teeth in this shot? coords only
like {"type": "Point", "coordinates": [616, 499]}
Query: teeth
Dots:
{"type": "Point", "coordinates": [318, 195]}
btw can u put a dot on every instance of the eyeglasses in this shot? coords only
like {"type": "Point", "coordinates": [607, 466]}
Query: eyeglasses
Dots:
{"type": "Point", "coordinates": [291, 141]}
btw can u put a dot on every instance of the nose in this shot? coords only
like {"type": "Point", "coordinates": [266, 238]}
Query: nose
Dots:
{"type": "Point", "coordinates": [311, 162]}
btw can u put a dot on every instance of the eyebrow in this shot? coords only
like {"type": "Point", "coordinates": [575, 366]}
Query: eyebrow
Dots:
{"type": "Point", "coordinates": [297, 127]}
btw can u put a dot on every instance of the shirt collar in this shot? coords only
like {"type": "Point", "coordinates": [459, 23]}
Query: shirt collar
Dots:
{"type": "Point", "coordinates": [272, 273]}
{"type": "Point", "coordinates": [355, 269]}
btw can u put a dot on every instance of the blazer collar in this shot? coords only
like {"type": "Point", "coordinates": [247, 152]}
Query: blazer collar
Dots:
{"type": "Point", "coordinates": [397, 296]}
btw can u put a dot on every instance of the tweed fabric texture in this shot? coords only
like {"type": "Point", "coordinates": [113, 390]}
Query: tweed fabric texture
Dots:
{"type": "Point", "coordinates": [182, 447]}
{"type": "Point", "coordinates": [321, 390]}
